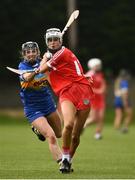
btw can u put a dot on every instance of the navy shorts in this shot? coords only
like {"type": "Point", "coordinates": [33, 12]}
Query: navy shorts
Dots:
{"type": "Point", "coordinates": [39, 110]}
{"type": "Point", "coordinates": [118, 103]}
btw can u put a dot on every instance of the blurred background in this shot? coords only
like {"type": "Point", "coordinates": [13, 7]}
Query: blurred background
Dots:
{"type": "Point", "coordinates": [104, 29]}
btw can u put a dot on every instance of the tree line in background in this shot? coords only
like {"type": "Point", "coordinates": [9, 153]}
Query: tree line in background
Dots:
{"type": "Point", "coordinates": [105, 30]}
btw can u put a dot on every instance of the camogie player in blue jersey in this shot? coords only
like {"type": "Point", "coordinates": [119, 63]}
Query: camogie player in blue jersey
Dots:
{"type": "Point", "coordinates": [122, 102]}
{"type": "Point", "coordinates": [39, 106]}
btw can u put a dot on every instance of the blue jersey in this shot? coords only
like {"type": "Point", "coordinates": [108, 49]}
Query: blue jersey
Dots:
{"type": "Point", "coordinates": [124, 84]}
{"type": "Point", "coordinates": [35, 94]}
{"type": "Point", "coordinates": [118, 101]}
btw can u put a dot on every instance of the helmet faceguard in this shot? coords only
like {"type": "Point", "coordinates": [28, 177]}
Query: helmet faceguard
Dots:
{"type": "Point", "coordinates": [30, 46]}
{"type": "Point", "coordinates": [53, 33]}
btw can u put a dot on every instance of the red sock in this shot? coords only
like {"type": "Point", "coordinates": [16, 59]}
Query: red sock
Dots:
{"type": "Point", "coordinates": [66, 150]}
{"type": "Point", "coordinates": [66, 154]}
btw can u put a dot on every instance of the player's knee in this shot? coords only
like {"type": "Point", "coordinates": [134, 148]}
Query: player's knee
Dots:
{"type": "Point", "coordinates": [51, 138]}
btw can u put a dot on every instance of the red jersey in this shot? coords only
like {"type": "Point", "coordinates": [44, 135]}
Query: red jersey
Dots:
{"type": "Point", "coordinates": [65, 70]}
{"type": "Point", "coordinates": [98, 85]}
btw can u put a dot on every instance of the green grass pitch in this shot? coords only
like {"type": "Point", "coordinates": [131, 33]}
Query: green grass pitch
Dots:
{"type": "Point", "coordinates": [23, 156]}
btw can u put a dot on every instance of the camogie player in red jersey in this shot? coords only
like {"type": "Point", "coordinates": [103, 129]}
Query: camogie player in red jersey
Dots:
{"type": "Point", "coordinates": [98, 103]}
{"type": "Point", "coordinates": [73, 89]}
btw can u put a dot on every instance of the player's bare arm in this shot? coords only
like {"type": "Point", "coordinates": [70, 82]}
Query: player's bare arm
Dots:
{"type": "Point", "coordinates": [43, 65]}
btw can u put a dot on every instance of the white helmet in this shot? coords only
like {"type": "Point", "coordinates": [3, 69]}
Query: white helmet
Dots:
{"type": "Point", "coordinates": [92, 63]}
{"type": "Point", "coordinates": [53, 32]}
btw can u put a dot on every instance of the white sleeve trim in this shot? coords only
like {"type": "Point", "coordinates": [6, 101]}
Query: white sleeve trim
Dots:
{"type": "Point", "coordinates": [49, 65]}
